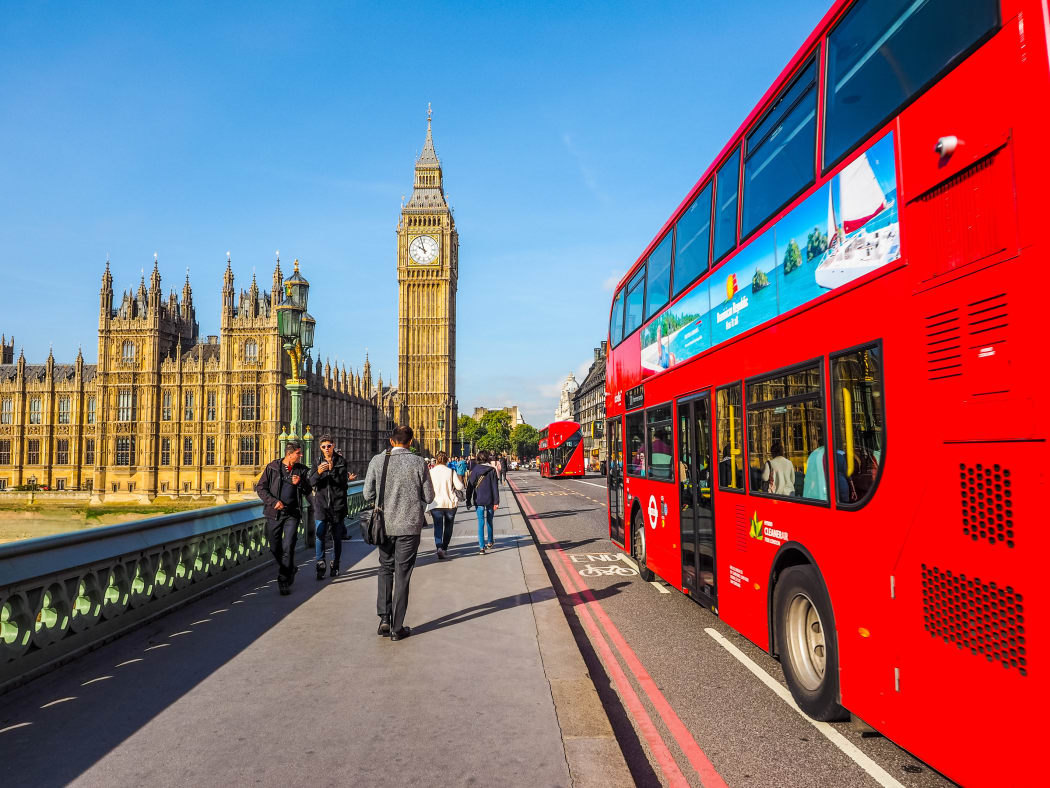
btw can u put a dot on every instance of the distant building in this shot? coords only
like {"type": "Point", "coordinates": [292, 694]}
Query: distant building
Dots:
{"type": "Point", "coordinates": [568, 390]}
{"type": "Point", "coordinates": [512, 410]}
{"type": "Point", "coordinates": [588, 407]}
{"type": "Point", "coordinates": [167, 413]}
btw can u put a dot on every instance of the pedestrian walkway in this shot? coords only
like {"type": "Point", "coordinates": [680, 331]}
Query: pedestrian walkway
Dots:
{"type": "Point", "coordinates": [245, 686]}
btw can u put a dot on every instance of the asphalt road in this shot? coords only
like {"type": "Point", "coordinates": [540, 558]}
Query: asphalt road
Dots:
{"type": "Point", "coordinates": [685, 707]}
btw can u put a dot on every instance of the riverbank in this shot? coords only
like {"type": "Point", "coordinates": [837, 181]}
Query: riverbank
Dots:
{"type": "Point", "coordinates": [27, 521]}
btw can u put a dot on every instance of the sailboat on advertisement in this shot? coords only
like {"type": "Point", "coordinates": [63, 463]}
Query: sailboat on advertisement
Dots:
{"type": "Point", "coordinates": [853, 251]}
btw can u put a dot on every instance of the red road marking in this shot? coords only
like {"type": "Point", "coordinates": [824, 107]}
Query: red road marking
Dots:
{"type": "Point", "coordinates": [700, 762]}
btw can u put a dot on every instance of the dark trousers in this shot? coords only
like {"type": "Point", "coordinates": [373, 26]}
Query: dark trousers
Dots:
{"type": "Point", "coordinates": [397, 559]}
{"type": "Point", "coordinates": [443, 521]}
{"type": "Point", "coordinates": [282, 534]}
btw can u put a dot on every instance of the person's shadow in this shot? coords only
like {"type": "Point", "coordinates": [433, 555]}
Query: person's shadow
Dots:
{"type": "Point", "coordinates": [507, 602]}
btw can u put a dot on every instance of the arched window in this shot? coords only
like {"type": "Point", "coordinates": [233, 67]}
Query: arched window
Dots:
{"type": "Point", "coordinates": [251, 351]}
{"type": "Point", "coordinates": [127, 351]}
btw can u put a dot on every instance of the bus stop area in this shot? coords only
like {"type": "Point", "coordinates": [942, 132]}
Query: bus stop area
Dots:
{"type": "Point", "coordinates": [245, 686]}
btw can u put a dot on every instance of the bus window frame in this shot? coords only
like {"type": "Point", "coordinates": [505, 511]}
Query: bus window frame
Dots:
{"type": "Point", "coordinates": [648, 448]}
{"type": "Point", "coordinates": [813, 58]}
{"type": "Point", "coordinates": [742, 489]}
{"type": "Point", "coordinates": [854, 507]}
{"type": "Point", "coordinates": [709, 184]}
{"type": "Point", "coordinates": [876, 129]}
{"type": "Point", "coordinates": [646, 314]}
{"type": "Point", "coordinates": [643, 271]}
{"type": "Point", "coordinates": [822, 364]}
{"type": "Point", "coordinates": [621, 296]}
{"type": "Point", "coordinates": [738, 151]}
{"type": "Point", "coordinates": [639, 411]}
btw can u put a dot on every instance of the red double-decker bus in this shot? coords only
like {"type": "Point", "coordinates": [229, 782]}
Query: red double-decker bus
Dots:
{"type": "Point", "coordinates": [860, 263]}
{"type": "Point", "coordinates": [561, 449]}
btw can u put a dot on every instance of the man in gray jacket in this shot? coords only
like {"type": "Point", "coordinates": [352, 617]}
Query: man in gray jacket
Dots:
{"type": "Point", "coordinates": [408, 491]}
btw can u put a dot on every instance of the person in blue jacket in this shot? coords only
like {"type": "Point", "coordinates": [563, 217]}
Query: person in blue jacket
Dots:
{"type": "Point", "coordinates": [483, 490]}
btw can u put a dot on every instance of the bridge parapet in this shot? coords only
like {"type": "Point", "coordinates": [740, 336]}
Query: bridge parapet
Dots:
{"type": "Point", "coordinates": [65, 594]}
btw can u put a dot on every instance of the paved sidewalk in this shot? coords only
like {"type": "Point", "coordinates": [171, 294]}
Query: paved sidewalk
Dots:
{"type": "Point", "coordinates": [248, 687]}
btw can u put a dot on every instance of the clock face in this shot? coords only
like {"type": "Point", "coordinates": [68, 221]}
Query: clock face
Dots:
{"type": "Point", "coordinates": [423, 249]}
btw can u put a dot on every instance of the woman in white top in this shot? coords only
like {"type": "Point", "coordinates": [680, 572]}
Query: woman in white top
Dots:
{"type": "Point", "coordinates": [447, 486]}
{"type": "Point", "coordinates": [778, 475]}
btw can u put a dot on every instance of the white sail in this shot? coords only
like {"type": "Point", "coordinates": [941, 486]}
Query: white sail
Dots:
{"type": "Point", "coordinates": [860, 196]}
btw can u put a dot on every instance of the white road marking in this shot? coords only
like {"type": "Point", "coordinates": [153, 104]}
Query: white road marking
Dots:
{"type": "Point", "coordinates": [92, 681]}
{"type": "Point", "coordinates": [604, 487]}
{"type": "Point", "coordinates": [876, 772]}
{"type": "Point", "coordinates": [159, 645]}
{"type": "Point", "coordinates": [13, 727]}
{"type": "Point", "coordinates": [659, 587]}
{"type": "Point", "coordinates": [183, 632]}
{"type": "Point", "coordinates": [628, 560]}
{"type": "Point", "coordinates": [56, 702]}
{"type": "Point", "coordinates": [220, 610]}
{"type": "Point", "coordinates": [195, 623]}
{"type": "Point", "coordinates": [128, 662]}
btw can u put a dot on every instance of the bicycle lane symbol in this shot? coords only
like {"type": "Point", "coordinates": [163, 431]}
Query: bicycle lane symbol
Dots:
{"type": "Point", "coordinates": [602, 565]}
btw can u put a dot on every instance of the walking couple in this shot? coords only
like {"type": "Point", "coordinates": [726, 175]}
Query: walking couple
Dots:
{"type": "Point", "coordinates": [481, 490]}
{"type": "Point", "coordinates": [281, 487]}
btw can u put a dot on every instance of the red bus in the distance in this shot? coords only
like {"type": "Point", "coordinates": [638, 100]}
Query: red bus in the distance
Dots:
{"type": "Point", "coordinates": [561, 450]}
{"type": "Point", "coordinates": [861, 262]}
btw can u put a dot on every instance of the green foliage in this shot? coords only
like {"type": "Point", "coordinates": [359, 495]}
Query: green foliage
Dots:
{"type": "Point", "coordinates": [759, 280]}
{"type": "Point", "coordinates": [495, 431]}
{"type": "Point", "coordinates": [816, 243]}
{"type": "Point", "coordinates": [792, 257]}
{"type": "Point", "coordinates": [469, 429]}
{"type": "Point", "coordinates": [523, 439]}
{"type": "Point", "coordinates": [669, 322]}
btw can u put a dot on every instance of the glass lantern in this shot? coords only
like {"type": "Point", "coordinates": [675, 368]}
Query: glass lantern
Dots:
{"type": "Point", "coordinates": [297, 289]}
{"type": "Point", "coordinates": [306, 333]}
{"type": "Point", "coordinates": [289, 321]}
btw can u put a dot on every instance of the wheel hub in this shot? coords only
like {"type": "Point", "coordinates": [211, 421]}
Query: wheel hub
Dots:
{"type": "Point", "coordinates": [805, 642]}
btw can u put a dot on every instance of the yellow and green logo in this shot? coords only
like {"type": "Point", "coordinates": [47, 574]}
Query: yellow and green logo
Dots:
{"type": "Point", "coordinates": [756, 527]}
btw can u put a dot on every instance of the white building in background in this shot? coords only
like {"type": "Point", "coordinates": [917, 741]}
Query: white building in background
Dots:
{"type": "Point", "coordinates": [564, 410]}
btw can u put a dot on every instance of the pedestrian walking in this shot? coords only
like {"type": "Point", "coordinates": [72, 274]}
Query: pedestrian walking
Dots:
{"type": "Point", "coordinates": [483, 489]}
{"type": "Point", "coordinates": [404, 480]}
{"type": "Point", "coordinates": [448, 488]}
{"type": "Point", "coordinates": [330, 479]}
{"type": "Point", "coordinates": [280, 487]}
{"type": "Point", "coordinates": [461, 469]}
{"type": "Point", "coordinates": [503, 463]}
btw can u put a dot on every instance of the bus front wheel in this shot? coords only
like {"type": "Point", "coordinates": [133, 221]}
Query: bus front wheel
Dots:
{"type": "Point", "coordinates": [807, 643]}
{"type": "Point", "coordinates": [638, 545]}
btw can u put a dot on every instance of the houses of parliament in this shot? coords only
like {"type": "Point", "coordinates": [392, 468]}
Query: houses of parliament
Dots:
{"type": "Point", "coordinates": [166, 412]}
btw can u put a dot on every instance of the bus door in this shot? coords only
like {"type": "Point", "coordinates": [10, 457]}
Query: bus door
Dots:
{"type": "Point", "coordinates": [696, 503]}
{"type": "Point", "coordinates": [614, 480]}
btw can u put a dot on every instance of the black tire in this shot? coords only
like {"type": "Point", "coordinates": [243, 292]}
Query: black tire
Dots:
{"type": "Point", "coordinates": [638, 545]}
{"type": "Point", "coordinates": [805, 635]}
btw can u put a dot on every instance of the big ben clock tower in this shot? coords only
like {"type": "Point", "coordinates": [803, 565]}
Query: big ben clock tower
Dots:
{"type": "Point", "coordinates": [427, 272]}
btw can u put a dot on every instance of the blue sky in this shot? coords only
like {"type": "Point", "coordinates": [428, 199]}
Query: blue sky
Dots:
{"type": "Point", "coordinates": [568, 134]}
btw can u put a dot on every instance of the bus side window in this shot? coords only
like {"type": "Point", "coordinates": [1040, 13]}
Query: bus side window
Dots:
{"type": "Point", "coordinates": [857, 418]}
{"type": "Point", "coordinates": [660, 443]}
{"type": "Point", "coordinates": [730, 436]}
{"type": "Point", "coordinates": [785, 435]}
{"type": "Point", "coordinates": [636, 444]}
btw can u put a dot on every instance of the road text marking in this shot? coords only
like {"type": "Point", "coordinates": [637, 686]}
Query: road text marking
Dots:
{"type": "Point", "coordinates": [876, 772]}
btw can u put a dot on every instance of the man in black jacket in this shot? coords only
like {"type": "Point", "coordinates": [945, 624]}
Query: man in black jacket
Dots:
{"type": "Point", "coordinates": [329, 480]}
{"type": "Point", "coordinates": [279, 487]}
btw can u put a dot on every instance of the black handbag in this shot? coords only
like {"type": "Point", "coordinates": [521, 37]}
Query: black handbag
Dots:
{"type": "Point", "coordinates": [373, 528]}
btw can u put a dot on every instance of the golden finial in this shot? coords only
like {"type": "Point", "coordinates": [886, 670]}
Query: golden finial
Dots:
{"type": "Point", "coordinates": [297, 265]}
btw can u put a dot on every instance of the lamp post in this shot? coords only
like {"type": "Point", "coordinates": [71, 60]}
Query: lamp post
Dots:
{"type": "Point", "coordinates": [296, 329]}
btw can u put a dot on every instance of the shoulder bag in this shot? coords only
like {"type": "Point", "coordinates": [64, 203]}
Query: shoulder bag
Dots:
{"type": "Point", "coordinates": [373, 528]}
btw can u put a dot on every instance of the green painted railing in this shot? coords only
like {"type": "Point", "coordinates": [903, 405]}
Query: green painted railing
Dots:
{"type": "Point", "coordinates": [62, 595]}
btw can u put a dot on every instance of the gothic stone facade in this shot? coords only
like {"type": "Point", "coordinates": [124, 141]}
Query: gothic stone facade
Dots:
{"type": "Point", "coordinates": [427, 274]}
{"type": "Point", "coordinates": [164, 413]}
{"type": "Point", "coordinates": [588, 405]}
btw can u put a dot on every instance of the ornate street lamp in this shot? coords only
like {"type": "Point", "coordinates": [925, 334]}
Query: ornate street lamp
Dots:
{"type": "Point", "coordinates": [296, 329]}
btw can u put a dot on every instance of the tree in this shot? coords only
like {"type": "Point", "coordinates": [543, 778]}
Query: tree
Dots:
{"type": "Point", "coordinates": [496, 427]}
{"type": "Point", "coordinates": [816, 243]}
{"type": "Point", "coordinates": [524, 438]}
{"type": "Point", "coordinates": [469, 430]}
{"type": "Point", "coordinates": [793, 257]}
